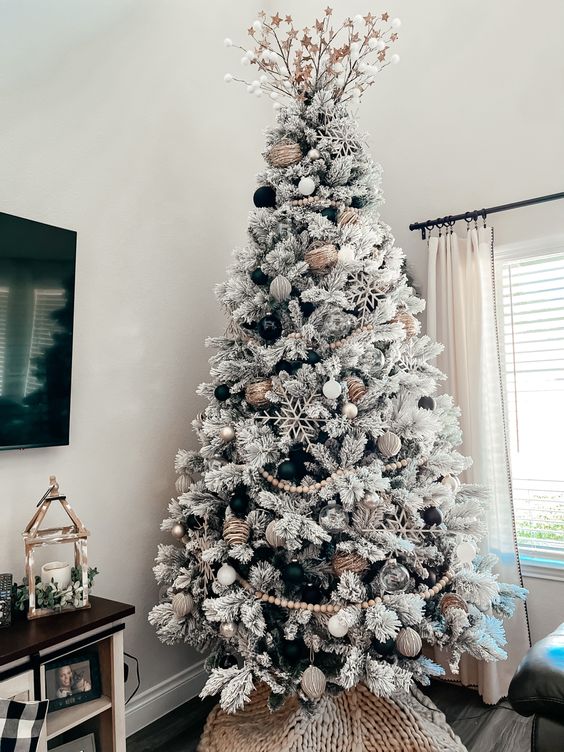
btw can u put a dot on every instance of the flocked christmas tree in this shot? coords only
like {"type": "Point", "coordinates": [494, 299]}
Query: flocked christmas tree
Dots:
{"type": "Point", "coordinates": [323, 534]}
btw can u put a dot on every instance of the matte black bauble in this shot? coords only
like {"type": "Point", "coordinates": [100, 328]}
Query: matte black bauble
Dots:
{"type": "Point", "coordinates": [192, 522]}
{"type": "Point", "coordinates": [329, 213]}
{"type": "Point", "coordinates": [293, 650]}
{"type": "Point", "coordinates": [384, 648]}
{"type": "Point", "coordinates": [221, 392]}
{"type": "Point", "coordinates": [358, 202]}
{"type": "Point", "coordinates": [226, 661]}
{"type": "Point", "coordinates": [313, 357]}
{"type": "Point", "coordinates": [239, 502]}
{"type": "Point", "coordinates": [311, 593]}
{"type": "Point", "coordinates": [299, 455]}
{"type": "Point", "coordinates": [288, 366]}
{"type": "Point", "coordinates": [306, 307]}
{"type": "Point", "coordinates": [432, 516]}
{"type": "Point", "coordinates": [259, 277]}
{"type": "Point", "coordinates": [431, 579]}
{"type": "Point", "coordinates": [427, 403]}
{"type": "Point", "coordinates": [269, 327]}
{"type": "Point", "coordinates": [264, 197]}
{"type": "Point", "coordinates": [322, 437]}
{"type": "Point", "coordinates": [293, 573]}
{"type": "Point", "coordinates": [262, 553]}
{"type": "Point", "coordinates": [287, 470]}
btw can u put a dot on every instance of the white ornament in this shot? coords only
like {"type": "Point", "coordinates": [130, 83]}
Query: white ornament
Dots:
{"type": "Point", "coordinates": [274, 95]}
{"type": "Point", "coordinates": [380, 45]}
{"type": "Point", "coordinates": [228, 78]}
{"type": "Point", "coordinates": [257, 26]}
{"type": "Point", "coordinates": [226, 575]}
{"type": "Point", "coordinates": [332, 389]}
{"type": "Point", "coordinates": [226, 433]}
{"type": "Point", "coordinates": [314, 154]}
{"type": "Point", "coordinates": [408, 642]}
{"type": "Point", "coordinates": [395, 59]}
{"type": "Point", "coordinates": [370, 501]}
{"type": "Point", "coordinates": [396, 23]}
{"type": "Point", "coordinates": [228, 629]}
{"type": "Point", "coordinates": [183, 483]}
{"type": "Point", "coordinates": [337, 626]}
{"type": "Point", "coordinates": [273, 538]}
{"type": "Point", "coordinates": [182, 604]}
{"type": "Point", "coordinates": [389, 444]}
{"type": "Point", "coordinates": [280, 288]}
{"type": "Point", "coordinates": [228, 42]}
{"type": "Point", "coordinates": [245, 60]}
{"type": "Point", "coordinates": [313, 683]}
{"type": "Point", "coordinates": [306, 186]}
{"type": "Point", "coordinates": [349, 410]}
{"type": "Point", "coordinates": [451, 482]}
{"type": "Point", "coordinates": [465, 552]}
{"type": "Point", "coordinates": [345, 254]}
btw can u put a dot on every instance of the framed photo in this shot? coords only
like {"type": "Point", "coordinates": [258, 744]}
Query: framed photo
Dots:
{"type": "Point", "coordinates": [72, 680]}
{"type": "Point", "coordinates": [84, 744]}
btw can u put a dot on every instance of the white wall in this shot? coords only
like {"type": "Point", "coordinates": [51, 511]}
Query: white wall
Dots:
{"type": "Point", "coordinates": [115, 122]}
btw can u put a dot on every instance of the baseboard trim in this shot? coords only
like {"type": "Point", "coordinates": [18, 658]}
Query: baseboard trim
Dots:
{"type": "Point", "coordinates": [159, 700]}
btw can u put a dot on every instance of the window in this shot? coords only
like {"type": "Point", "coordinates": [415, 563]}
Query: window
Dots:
{"type": "Point", "coordinates": [4, 292]}
{"type": "Point", "coordinates": [45, 303]}
{"type": "Point", "coordinates": [531, 316]}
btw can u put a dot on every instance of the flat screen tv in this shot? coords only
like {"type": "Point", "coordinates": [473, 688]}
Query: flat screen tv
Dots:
{"type": "Point", "coordinates": [37, 270]}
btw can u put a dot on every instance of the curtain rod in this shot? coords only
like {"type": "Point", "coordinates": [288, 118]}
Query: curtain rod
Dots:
{"type": "Point", "coordinates": [469, 216]}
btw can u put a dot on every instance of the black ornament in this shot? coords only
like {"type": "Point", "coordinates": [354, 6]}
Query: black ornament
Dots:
{"type": "Point", "coordinates": [306, 307]}
{"type": "Point", "coordinates": [287, 470]}
{"type": "Point", "coordinates": [262, 553]}
{"type": "Point", "coordinates": [293, 573]}
{"type": "Point", "coordinates": [299, 455]}
{"type": "Point", "coordinates": [329, 213]}
{"type": "Point", "coordinates": [427, 403]}
{"type": "Point", "coordinates": [259, 277]}
{"type": "Point", "coordinates": [311, 593]}
{"type": "Point", "coordinates": [239, 502]}
{"type": "Point", "coordinates": [432, 516]}
{"type": "Point", "coordinates": [226, 661]}
{"type": "Point", "coordinates": [192, 522]}
{"type": "Point", "coordinates": [322, 437]}
{"type": "Point", "coordinates": [293, 650]}
{"type": "Point", "coordinates": [289, 367]}
{"type": "Point", "coordinates": [358, 202]}
{"type": "Point", "coordinates": [313, 357]}
{"type": "Point", "coordinates": [431, 579]}
{"type": "Point", "coordinates": [384, 648]}
{"type": "Point", "coordinates": [221, 392]}
{"type": "Point", "coordinates": [264, 197]}
{"type": "Point", "coordinates": [269, 327]}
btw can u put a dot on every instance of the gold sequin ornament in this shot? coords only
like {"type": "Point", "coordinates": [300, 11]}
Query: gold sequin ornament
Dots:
{"type": "Point", "coordinates": [236, 531]}
{"type": "Point", "coordinates": [284, 153]}
{"type": "Point", "coordinates": [255, 393]}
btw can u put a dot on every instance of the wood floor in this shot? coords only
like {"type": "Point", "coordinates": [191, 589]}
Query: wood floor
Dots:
{"type": "Point", "coordinates": [482, 728]}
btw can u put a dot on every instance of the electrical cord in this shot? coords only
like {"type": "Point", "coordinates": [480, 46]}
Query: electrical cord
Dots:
{"type": "Point", "coordinates": [138, 677]}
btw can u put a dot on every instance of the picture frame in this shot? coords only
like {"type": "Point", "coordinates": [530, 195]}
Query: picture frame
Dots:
{"type": "Point", "coordinates": [72, 680]}
{"type": "Point", "coordinates": [84, 744]}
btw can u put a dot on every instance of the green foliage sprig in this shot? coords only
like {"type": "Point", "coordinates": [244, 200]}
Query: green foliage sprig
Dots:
{"type": "Point", "coordinates": [49, 595]}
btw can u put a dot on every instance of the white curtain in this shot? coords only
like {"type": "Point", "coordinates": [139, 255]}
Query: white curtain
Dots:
{"type": "Point", "coordinates": [461, 314]}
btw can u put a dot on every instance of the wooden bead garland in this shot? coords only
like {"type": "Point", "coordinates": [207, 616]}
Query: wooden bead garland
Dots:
{"type": "Point", "coordinates": [361, 330]}
{"type": "Point", "coordinates": [343, 562]}
{"type": "Point", "coordinates": [357, 388]}
{"type": "Point", "coordinates": [452, 600]}
{"type": "Point", "coordinates": [408, 642]}
{"type": "Point", "coordinates": [321, 258]}
{"type": "Point", "coordinates": [284, 153]}
{"type": "Point", "coordinates": [255, 393]}
{"type": "Point", "coordinates": [348, 216]}
{"type": "Point", "coordinates": [236, 531]}
{"type": "Point", "coordinates": [409, 322]}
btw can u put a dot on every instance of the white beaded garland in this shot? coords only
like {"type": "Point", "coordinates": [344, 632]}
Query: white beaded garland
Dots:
{"type": "Point", "coordinates": [332, 389]}
{"type": "Point", "coordinates": [280, 288]}
{"type": "Point", "coordinates": [226, 575]}
{"type": "Point", "coordinates": [349, 410]}
{"type": "Point", "coordinates": [226, 433]}
{"type": "Point", "coordinates": [306, 186]}
{"type": "Point", "coordinates": [337, 626]}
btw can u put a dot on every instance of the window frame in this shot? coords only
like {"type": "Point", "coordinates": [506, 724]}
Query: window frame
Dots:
{"type": "Point", "coordinates": [533, 564]}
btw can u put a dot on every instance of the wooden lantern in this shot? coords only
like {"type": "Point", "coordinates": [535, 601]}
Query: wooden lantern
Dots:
{"type": "Point", "coordinates": [35, 537]}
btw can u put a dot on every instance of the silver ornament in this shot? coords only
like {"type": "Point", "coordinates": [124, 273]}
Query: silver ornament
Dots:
{"type": "Point", "coordinates": [273, 538]}
{"type": "Point", "coordinates": [349, 410]}
{"type": "Point", "coordinates": [393, 577]}
{"type": "Point", "coordinates": [280, 288]}
{"type": "Point", "coordinates": [370, 501]}
{"type": "Point", "coordinates": [178, 530]}
{"type": "Point", "coordinates": [378, 357]}
{"type": "Point", "coordinates": [306, 186]}
{"type": "Point", "coordinates": [389, 444]}
{"type": "Point", "coordinates": [313, 683]}
{"type": "Point", "coordinates": [183, 483]}
{"type": "Point", "coordinates": [408, 642]}
{"type": "Point", "coordinates": [314, 154]}
{"type": "Point", "coordinates": [226, 433]}
{"type": "Point", "coordinates": [228, 629]}
{"type": "Point", "coordinates": [333, 518]}
{"type": "Point", "coordinates": [182, 604]}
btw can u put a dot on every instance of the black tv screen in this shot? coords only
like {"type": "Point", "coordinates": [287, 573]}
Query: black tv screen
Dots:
{"type": "Point", "coordinates": [37, 270]}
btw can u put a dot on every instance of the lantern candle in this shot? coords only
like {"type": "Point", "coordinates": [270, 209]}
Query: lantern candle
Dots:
{"type": "Point", "coordinates": [58, 571]}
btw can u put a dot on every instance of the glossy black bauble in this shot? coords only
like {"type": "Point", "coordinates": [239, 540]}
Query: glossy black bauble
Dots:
{"type": "Point", "coordinates": [286, 365]}
{"type": "Point", "coordinates": [293, 650]}
{"type": "Point", "coordinates": [322, 437]}
{"type": "Point", "coordinates": [299, 455]}
{"type": "Point", "coordinates": [192, 522]}
{"type": "Point", "coordinates": [427, 403]}
{"type": "Point", "coordinates": [221, 392]}
{"type": "Point", "coordinates": [239, 502]}
{"type": "Point", "coordinates": [226, 661]}
{"type": "Point", "coordinates": [306, 307]}
{"type": "Point", "coordinates": [432, 516]}
{"type": "Point", "coordinates": [330, 213]}
{"type": "Point", "coordinates": [259, 277]}
{"type": "Point", "coordinates": [269, 327]}
{"type": "Point", "coordinates": [311, 593]}
{"type": "Point", "coordinates": [287, 470]}
{"type": "Point", "coordinates": [264, 197]}
{"type": "Point", "coordinates": [384, 648]}
{"type": "Point", "coordinates": [313, 357]}
{"type": "Point", "coordinates": [358, 202]}
{"type": "Point", "coordinates": [431, 579]}
{"type": "Point", "coordinates": [293, 573]}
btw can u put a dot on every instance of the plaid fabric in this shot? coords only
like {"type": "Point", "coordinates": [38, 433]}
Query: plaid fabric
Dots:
{"type": "Point", "coordinates": [21, 724]}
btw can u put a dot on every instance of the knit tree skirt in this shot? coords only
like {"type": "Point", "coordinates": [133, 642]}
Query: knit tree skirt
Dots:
{"type": "Point", "coordinates": [354, 721]}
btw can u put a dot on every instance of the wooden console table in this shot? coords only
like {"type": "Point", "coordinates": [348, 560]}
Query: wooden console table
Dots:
{"type": "Point", "coordinates": [27, 646]}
